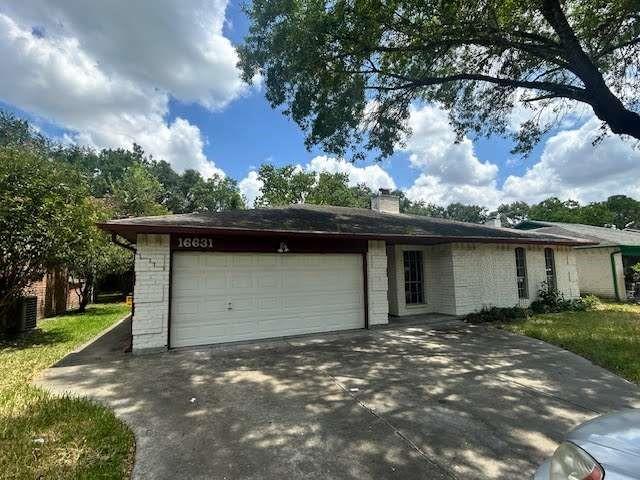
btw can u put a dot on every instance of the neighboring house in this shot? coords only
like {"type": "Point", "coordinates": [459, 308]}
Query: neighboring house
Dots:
{"type": "Point", "coordinates": [603, 268]}
{"type": "Point", "coordinates": [55, 294]}
{"type": "Point", "coordinates": [273, 272]}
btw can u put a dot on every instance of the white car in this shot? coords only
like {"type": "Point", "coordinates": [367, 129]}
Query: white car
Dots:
{"type": "Point", "coordinates": [605, 447]}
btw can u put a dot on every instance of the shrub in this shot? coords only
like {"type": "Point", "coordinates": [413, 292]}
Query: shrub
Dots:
{"type": "Point", "coordinates": [497, 314]}
{"type": "Point", "coordinates": [551, 301]}
{"type": "Point", "coordinates": [590, 301]}
{"type": "Point", "coordinates": [547, 302]}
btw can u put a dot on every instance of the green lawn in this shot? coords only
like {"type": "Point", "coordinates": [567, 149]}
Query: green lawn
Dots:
{"type": "Point", "coordinates": [608, 336]}
{"type": "Point", "coordinates": [45, 436]}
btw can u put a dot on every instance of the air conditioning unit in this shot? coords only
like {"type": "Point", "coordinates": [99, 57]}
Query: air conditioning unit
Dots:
{"type": "Point", "coordinates": [27, 313]}
{"type": "Point", "coordinates": [20, 316]}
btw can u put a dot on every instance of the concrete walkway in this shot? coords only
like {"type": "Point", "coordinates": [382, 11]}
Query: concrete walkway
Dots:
{"type": "Point", "coordinates": [410, 402]}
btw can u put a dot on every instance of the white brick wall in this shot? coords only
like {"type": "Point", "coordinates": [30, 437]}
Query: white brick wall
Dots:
{"type": "Point", "coordinates": [377, 283]}
{"type": "Point", "coordinates": [151, 292]}
{"type": "Point", "coordinates": [594, 271]}
{"type": "Point", "coordinates": [464, 277]}
{"type": "Point", "coordinates": [438, 279]}
{"type": "Point", "coordinates": [485, 276]}
{"type": "Point", "coordinates": [567, 272]}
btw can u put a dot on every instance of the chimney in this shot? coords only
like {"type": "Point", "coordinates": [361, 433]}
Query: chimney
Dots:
{"type": "Point", "coordinates": [494, 221]}
{"type": "Point", "coordinates": [385, 202]}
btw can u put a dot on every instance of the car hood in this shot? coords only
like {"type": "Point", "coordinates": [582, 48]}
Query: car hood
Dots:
{"type": "Point", "coordinates": [613, 440]}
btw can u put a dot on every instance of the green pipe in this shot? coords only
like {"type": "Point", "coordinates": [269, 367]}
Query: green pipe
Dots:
{"type": "Point", "coordinates": [615, 276]}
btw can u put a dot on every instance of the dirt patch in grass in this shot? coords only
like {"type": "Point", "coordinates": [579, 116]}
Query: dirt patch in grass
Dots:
{"type": "Point", "coordinates": [45, 436]}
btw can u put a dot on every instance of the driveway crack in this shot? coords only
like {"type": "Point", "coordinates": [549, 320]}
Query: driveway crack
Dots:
{"type": "Point", "coordinates": [393, 428]}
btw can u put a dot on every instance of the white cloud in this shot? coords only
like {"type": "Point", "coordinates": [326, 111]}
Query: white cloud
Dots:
{"type": "Point", "coordinates": [374, 176]}
{"type": "Point", "coordinates": [177, 47]}
{"type": "Point", "coordinates": [432, 150]}
{"type": "Point", "coordinates": [448, 171]}
{"type": "Point", "coordinates": [107, 70]}
{"type": "Point", "coordinates": [250, 187]}
{"type": "Point", "coordinates": [432, 189]}
{"type": "Point", "coordinates": [570, 166]}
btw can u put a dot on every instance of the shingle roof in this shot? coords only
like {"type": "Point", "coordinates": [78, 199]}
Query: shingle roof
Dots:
{"type": "Point", "coordinates": [329, 221]}
{"type": "Point", "coordinates": [602, 235]}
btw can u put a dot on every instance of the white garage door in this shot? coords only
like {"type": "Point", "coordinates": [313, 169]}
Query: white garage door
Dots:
{"type": "Point", "coordinates": [226, 297]}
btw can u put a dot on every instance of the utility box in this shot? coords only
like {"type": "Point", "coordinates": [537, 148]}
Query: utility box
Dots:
{"type": "Point", "coordinates": [22, 316]}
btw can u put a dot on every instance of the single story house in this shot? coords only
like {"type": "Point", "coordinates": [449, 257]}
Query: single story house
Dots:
{"type": "Point", "coordinates": [274, 272]}
{"type": "Point", "coordinates": [604, 267]}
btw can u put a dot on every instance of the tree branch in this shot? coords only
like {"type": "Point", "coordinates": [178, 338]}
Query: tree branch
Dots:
{"type": "Point", "coordinates": [565, 91]}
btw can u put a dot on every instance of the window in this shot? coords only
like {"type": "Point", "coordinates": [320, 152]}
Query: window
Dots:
{"type": "Point", "coordinates": [413, 278]}
{"type": "Point", "coordinates": [521, 273]}
{"type": "Point", "coordinates": [550, 266]}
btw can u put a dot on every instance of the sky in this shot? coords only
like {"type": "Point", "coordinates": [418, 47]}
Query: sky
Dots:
{"type": "Point", "coordinates": [107, 74]}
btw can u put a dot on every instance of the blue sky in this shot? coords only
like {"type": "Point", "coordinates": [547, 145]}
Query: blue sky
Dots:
{"type": "Point", "coordinates": [167, 80]}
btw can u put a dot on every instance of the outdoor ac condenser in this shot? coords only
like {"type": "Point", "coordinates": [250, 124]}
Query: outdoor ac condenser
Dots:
{"type": "Point", "coordinates": [26, 313]}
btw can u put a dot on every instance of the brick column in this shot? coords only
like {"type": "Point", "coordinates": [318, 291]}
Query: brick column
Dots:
{"type": "Point", "coordinates": [377, 283]}
{"type": "Point", "coordinates": [151, 293]}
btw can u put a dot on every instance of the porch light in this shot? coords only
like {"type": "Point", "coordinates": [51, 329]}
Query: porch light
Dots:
{"type": "Point", "coordinates": [283, 247]}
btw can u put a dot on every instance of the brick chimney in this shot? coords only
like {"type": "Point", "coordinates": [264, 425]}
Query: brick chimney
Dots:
{"type": "Point", "coordinates": [385, 202]}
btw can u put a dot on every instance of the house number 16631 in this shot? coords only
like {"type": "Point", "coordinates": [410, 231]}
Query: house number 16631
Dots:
{"type": "Point", "coordinates": [195, 242]}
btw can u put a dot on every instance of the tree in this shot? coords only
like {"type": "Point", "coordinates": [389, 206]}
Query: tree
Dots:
{"type": "Point", "coordinates": [215, 194]}
{"type": "Point", "coordinates": [421, 208]}
{"type": "Point", "coordinates": [454, 211]}
{"type": "Point", "coordinates": [136, 194]}
{"type": "Point", "coordinates": [17, 132]}
{"type": "Point", "coordinates": [595, 213]}
{"type": "Point", "coordinates": [347, 72]}
{"type": "Point", "coordinates": [466, 213]}
{"type": "Point", "coordinates": [555, 210]}
{"type": "Point", "coordinates": [333, 189]}
{"type": "Point", "coordinates": [283, 185]}
{"type": "Point", "coordinates": [514, 212]}
{"type": "Point", "coordinates": [172, 196]}
{"type": "Point", "coordinates": [41, 201]}
{"type": "Point", "coordinates": [625, 211]}
{"type": "Point", "coordinates": [94, 256]}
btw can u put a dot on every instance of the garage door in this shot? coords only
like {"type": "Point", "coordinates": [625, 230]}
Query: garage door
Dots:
{"type": "Point", "coordinates": [222, 297]}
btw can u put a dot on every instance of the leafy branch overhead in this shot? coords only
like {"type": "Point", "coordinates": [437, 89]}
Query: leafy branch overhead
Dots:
{"type": "Point", "coordinates": [347, 71]}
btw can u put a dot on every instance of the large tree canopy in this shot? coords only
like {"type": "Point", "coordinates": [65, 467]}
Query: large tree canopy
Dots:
{"type": "Point", "coordinates": [347, 71]}
{"type": "Point", "coordinates": [42, 203]}
{"type": "Point", "coordinates": [290, 185]}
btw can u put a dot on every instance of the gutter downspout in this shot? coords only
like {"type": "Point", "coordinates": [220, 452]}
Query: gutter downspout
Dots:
{"type": "Point", "coordinates": [614, 273]}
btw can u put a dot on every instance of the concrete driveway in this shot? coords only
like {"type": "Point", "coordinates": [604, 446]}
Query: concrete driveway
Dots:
{"type": "Point", "coordinates": [453, 401]}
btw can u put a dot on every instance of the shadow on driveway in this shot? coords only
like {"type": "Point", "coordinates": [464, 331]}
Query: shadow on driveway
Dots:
{"type": "Point", "coordinates": [410, 402]}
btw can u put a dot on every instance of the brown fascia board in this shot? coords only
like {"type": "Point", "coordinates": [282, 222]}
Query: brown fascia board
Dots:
{"type": "Point", "coordinates": [130, 231]}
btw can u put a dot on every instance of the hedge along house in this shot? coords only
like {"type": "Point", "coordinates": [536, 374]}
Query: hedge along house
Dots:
{"type": "Point", "coordinates": [274, 272]}
{"type": "Point", "coordinates": [604, 268]}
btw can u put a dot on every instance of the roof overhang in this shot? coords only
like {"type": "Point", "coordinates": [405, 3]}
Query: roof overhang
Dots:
{"type": "Point", "coordinates": [130, 232]}
{"type": "Point", "coordinates": [630, 250]}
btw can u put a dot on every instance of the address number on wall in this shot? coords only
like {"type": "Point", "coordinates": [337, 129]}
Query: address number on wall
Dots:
{"type": "Point", "coordinates": [195, 242]}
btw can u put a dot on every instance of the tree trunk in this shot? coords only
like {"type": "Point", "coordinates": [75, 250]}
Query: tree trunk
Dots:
{"type": "Point", "coordinates": [605, 104]}
{"type": "Point", "coordinates": [85, 293]}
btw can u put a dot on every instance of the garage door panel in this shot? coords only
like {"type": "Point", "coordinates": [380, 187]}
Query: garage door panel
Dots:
{"type": "Point", "coordinates": [264, 280]}
{"type": "Point", "coordinates": [241, 280]}
{"type": "Point", "coordinates": [215, 280]}
{"type": "Point", "coordinates": [269, 304]}
{"type": "Point", "coordinates": [212, 260]}
{"type": "Point", "coordinates": [270, 296]}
